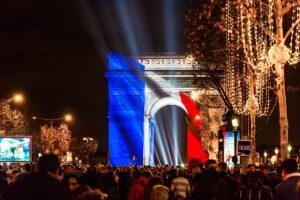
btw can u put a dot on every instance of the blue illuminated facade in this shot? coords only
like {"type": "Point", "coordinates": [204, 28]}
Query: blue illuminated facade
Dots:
{"type": "Point", "coordinates": [126, 110]}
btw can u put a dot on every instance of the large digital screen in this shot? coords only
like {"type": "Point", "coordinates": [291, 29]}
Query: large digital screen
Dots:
{"type": "Point", "coordinates": [15, 149]}
{"type": "Point", "coordinates": [229, 147]}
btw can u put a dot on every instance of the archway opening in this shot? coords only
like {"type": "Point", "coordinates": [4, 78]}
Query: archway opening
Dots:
{"type": "Point", "coordinates": [170, 136]}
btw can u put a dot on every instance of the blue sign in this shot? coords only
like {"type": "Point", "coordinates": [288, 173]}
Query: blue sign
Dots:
{"type": "Point", "coordinates": [244, 147]}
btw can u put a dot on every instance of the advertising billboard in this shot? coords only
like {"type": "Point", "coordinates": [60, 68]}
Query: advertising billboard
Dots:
{"type": "Point", "coordinates": [229, 147]}
{"type": "Point", "coordinates": [15, 149]}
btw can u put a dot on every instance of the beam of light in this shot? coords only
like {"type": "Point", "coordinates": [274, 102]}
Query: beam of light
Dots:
{"type": "Point", "coordinates": [175, 124]}
{"type": "Point", "coordinates": [166, 138]}
{"type": "Point", "coordinates": [161, 145]}
{"type": "Point", "coordinates": [105, 12]}
{"type": "Point", "coordinates": [92, 26]}
{"type": "Point", "coordinates": [169, 23]}
{"type": "Point", "coordinates": [140, 26]}
{"type": "Point", "coordinates": [127, 27]}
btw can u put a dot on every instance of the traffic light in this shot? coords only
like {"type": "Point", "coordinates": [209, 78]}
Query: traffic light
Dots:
{"type": "Point", "coordinates": [220, 145]}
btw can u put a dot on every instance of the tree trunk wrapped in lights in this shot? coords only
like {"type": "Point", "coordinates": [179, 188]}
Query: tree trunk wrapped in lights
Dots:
{"type": "Point", "coordinates": [258, 45]}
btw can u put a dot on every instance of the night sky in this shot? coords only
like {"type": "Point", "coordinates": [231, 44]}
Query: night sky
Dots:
{"type": "Point", "coordinates": [55, 53]}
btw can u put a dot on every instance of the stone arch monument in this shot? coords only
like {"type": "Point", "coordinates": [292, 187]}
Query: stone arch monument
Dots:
{"type": "Point", "coordinates": [138, 88]}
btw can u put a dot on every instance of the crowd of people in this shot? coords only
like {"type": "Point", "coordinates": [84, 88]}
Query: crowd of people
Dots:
{"type": "Point", "coordinates": [49, 180]}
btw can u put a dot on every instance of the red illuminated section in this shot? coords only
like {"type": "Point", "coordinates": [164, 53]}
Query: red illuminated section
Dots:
{"type": "Point", "coordinates": [194, 147]}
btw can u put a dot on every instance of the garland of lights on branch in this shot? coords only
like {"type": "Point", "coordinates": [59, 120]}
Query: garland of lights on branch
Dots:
{"type": "Point", "coordinates": [252, 53]}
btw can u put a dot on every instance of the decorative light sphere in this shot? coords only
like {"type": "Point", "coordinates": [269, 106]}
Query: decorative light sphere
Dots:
{"type": "Point", "coordinates": [252, 104]}
{"type": "Point", "coordinates": [279, 54]}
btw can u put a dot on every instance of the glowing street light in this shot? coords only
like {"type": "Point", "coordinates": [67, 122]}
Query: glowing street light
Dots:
{"type": "Point", "coordinates": [87, 139]}
{"type": "Point", "coordinates": [68, 117]}
{"type": "Point", "coordinates": [289, 147]}
{"type": "Point", "coordinates": [18, 98]}
{"type": "Point", "coordinates": [235, 123]}
{"type": "Point", "coordinates": [276, 152]}
{"type": "Point", "coordinates": [265, 155]}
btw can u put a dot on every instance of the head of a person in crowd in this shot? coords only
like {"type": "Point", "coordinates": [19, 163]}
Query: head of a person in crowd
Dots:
{"type": "Point", "coordinates": [195, 167]}
{"type": "Point", "coordinates": [288, 166]}
{"type": "Point", "coordinates": [136, 174]}
{"type": "Point", "coordinates": [14, 175]}
{"type": "Point", "coordinates": [267, 169]}
{"type": "Point", "coordinates": [69, 170]}
{"type": "Point", "coordinates": [111, 178]}
{"type": "Point", "coordinates": [94, 195]}
{"type": "Point", "coordinates": [211, 164]}
{"type": "Point", "coordinates": [255, 178]}
{"type": "Point", "coordinates": [27, 168]}
{"type": "Point", "coordinates": [147, 173]}
{"type": "Point", "coordinates": [173, 172]}
{"type": "Point", "coordinates": [181, 173]}
{"type": "Point", "coordinates": [222, 167]}
{"type": "Point", "coordinates": [70, 182]}
{"type": "Point", "coordinates": [167, 168]}
{"type": "Point", "coordinates": [155, 180]}
{"type": "Point", "coordinates": [48, 163]}
{"type": "Point", "coordinates": [251, 168]}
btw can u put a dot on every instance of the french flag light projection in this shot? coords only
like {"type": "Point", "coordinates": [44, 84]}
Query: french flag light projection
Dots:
{"type": "Point", "coordinates": [195, 149]}
{"type": "Point", "coordinates": [126, 110]}
{"type": "Point", "coordinates": [126, 89]}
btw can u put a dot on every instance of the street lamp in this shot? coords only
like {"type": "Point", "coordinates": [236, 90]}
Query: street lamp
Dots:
{"type": "Point", "coordinates": [67, 118]}
{"type": "Point", "coordinates": [18, 98]}
{"type": "Point", "coordinates": [265, 155]}
{"type": "Point", "coordinates": [276, 152]}
{"type": "Point", "coordinates": [87, 139]}
{"type": "Point", "coordinates": [289, 147]}
{"type": "Point", "coordinates": [235, 125]}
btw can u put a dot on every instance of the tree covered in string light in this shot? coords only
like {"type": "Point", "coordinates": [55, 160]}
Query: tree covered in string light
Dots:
{"type": "Point", "coordinates": [261, 37]}
{"type": "Point", "coordinates": [53, 138]}
{"type": "Point", "coordinates": [12, 121]}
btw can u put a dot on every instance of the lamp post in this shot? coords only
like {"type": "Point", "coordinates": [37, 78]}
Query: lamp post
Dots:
{"type": "Point", "coordinates": [235, 125]}
{"type": "Point", "coordinates": [289, 147]}
{"type": "Point", "coordinates": [276, 152]}
{"type": "Point", "coordinates": [16, 98]}
{"type": "Point", "coordinates": [265, 155]}
{"type": "Point", "coordinates": [67, 118]}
